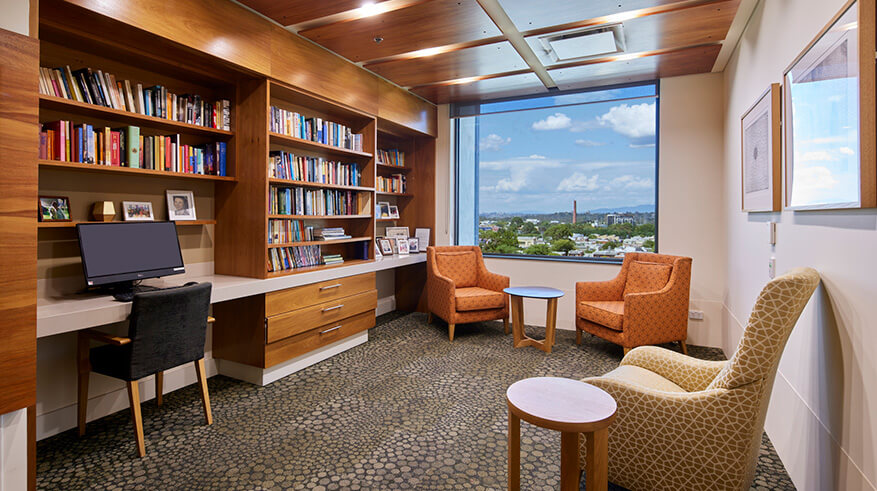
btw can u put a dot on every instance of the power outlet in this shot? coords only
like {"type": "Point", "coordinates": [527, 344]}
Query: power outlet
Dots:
{"type": "Point", "coordinates": [772, 268]}
{"type": "Point", "coordinates": [696, 315]}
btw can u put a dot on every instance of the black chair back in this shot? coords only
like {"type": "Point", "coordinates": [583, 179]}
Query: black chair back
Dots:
{"type": "Point", "coordinates": [168, 328]}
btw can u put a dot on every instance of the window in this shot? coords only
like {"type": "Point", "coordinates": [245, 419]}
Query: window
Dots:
{"type": "Point", "coordinates": [567, 176]}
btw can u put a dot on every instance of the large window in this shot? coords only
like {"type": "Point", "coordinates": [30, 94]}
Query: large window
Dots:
{"type": "Point", "coordinates": [566, 176]}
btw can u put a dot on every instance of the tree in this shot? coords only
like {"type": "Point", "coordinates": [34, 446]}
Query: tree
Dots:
{"type": "Point", "coordinates": [646, 230]}
{"type": "Point", "coordinates": [559, 231]}
{"type": "Point", "coordinates": [563, 245]}
{"type": "Point", "coordinates": [491, 241]}
{"type": "Point", "coordinates": [539, 250]}
{"type": "Point", "coordinates": [649, 245]}
{"type": "Point", "coordinates": [609, 245]}
{"type": "Point", "coordinates": [529, 229]}
{"type": "Point", "coordinates": [516, 223]}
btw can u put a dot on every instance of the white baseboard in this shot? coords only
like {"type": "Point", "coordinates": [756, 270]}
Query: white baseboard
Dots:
{"type": "Point", "coordinates": [13, 451]}
{"type": "Point", "coordinates": [262, 377]}
{"type": "Point", "coordinates": [386, 305]}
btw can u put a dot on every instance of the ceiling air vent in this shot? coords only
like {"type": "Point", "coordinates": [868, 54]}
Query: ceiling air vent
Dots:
{"type": "Point", "coordinates": [584, 43]}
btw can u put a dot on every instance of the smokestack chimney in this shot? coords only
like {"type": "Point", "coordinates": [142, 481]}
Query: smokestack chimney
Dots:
{"type": "Point", "coordinates": [574, 212]}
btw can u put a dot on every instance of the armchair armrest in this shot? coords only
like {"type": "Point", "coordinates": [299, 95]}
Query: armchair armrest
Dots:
{"type": "Point", "coordinates": [600, 290]}
{"type": "Point", "coordinates": [657, 317]}
{"type": "Point", "coordinates": [440, 295]}
{"type": "Point", "coordinates": [492, 281]}
{"type": "Point", "coordinates": [103, 337]}
{"type": "Point", "coordinates": [689, 373]}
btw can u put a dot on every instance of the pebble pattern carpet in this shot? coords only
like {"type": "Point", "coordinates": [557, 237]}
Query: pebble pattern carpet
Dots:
{"type": "Point", "coordinates": [407, 410]}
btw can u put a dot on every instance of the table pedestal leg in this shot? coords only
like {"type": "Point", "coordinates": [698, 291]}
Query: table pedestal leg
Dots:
{"type": "Point", "coordinates": [514, 452]}
{"type": "Point", "coordinates": [597, 464]}
{"type": "Point", "coordinates": [569, 461]}
{"type": "Point", "coordinates": [518, 321]}
{"type": "Point", "coordinates": [550, 324]}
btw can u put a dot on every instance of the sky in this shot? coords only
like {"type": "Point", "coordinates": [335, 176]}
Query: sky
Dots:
{"type": "Point", "coordinates": [601, 154]}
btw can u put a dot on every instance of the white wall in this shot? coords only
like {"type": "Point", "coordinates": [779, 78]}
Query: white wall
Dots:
{"type": "Point", "coordinates": [15, 16]}
{"type": "Point", "coordinates": [690, 220]}
{"type": "Point", "coordinates": [822, 414]}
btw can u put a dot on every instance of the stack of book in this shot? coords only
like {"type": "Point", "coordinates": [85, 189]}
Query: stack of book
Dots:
{"type": "Point", "coordinates": [334, 233]}
{"type": "Point", "coordinates": [284, 165]}
{"type": "Point", "coordinates": [393, 157]}
{"type": "Point", "coordinates": [286, 231]}
{"type": "Point", "coordinates": [102, 89]}
{"type": "Point", "coordinates": [329, 259]}
{"type": "Point", "coordinates": [393, 184]}
{"type": "Point", "coordinates": [286, 258]}
{"type": "Point", "coordinates": [126, 147]}
{"type": "Point", "coordinates": [316, 202]}
{"type": "Point", "coordinates": [318, 130]}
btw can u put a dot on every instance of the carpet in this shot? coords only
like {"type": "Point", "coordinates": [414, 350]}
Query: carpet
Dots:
{"type": "Point", "coordinates": [407, 410]}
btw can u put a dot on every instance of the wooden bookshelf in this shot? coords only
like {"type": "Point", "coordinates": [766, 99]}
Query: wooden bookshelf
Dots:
{"type": "Point", "coordinates": [316, 217]}
{"type": "Point", "coordinates": [392, 169]}
{"type": "Point", "coordinates": [307, 269]}
{"type": "Point", "coordinates": [76, 166]}
{"type": "Point", "coordinates": [401, 195]}
{"type": "Point", "coordinates": [292, 141]}
{"type": "Point", "coordinates": [321, 242]}
{"type": "Point", "coordinates": [73, 223]}
{"type": "Point", "coordinates": [294, 183]}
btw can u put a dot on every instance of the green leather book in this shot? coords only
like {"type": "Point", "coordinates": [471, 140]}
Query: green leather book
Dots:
{"type": "Point", "coordinates": [132, 144]}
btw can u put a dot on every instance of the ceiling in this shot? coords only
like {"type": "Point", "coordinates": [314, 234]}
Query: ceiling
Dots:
{"type": "Point", "coordinates": [465, 50]}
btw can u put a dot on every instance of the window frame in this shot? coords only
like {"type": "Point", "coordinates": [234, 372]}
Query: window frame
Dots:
{"type": "Point", "coordinates": [456, 153]}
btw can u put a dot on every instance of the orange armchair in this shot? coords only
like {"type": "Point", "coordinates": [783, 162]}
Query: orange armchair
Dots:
{"type": "Point", "coordinates": [647, 303]}
{"type": "Point", "coordinates": [460, 289]}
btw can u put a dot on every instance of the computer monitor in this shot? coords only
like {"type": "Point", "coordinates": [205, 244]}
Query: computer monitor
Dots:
{"type": "Point", "coordinates": [123, 252]}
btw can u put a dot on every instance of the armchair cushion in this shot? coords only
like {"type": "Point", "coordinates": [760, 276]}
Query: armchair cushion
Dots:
{"type": "Point", "coordinates": [475, 298]}
{"type": "Point", "coordinates": [647, 277]}
{"type": "Point", "coordinates": [461, 267]}
{"type": "Point", "coordinates": [643, 378]}
{"type": "Point", "coordinates": [609, 314]}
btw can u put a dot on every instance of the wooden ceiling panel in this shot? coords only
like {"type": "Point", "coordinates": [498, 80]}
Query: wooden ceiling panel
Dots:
{"type": "Point", "coordinates": [488, 59]}
{"type": "Point", "coordinates": [528, 15]}
{"type": "Point", "coordinates": [289, 12]}
{"type": "Point", "coordinates": [424, 25]}
{"type": "Point", "coordinates": [704, 24]}
{"type": "Point", "coordinates": [491, 88]}
{"type": "Point", "coordinates": [673, 64]}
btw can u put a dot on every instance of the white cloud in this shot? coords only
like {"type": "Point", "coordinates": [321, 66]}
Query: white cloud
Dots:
{"type": "Point", "coordinates": [589, 143]}
{"type": "Point", "coordinates": [519, 171]}
{"type": "Point", "coordinates": [632, 182]}
{"type": "Point", "coordinates": [536, 156]}
{"type": "Point", "coordinates": [579, 182]}
{"type": "Point", "coordinates": [637, 121]}
{"type": "Point", "coordinates": [817, 156]}
{"type": "Point", "coordinates": [530, 162]}
{"type": "Point", "coordinates": [846, 151]}
{"type": "Point", "coordinates": [493, 142]}
{"type": "Point", "coordinates": [644, 145]}
{"type": "Point", "coordinates": [557, 121]}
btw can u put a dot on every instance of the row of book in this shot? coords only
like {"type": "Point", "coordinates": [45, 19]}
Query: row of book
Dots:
{"type": "Point", "coordinates": [285, 165]}
{"type": "Point", "coordinates": [126, 147]}
{"type": "Point", "coordinates": [394, 184]}
{"type": "Point", "coordinates": [394, 157]}
{"type": "Point", "coordinates": [102, 89]}
{"type": "Point", "coordinates": [330, 233]}
{"type": "Point", "coordinates": [315, 202]}
{"type": "Point", "coordinates": [284, 231]}
{"type": "Point", "coordinates": [293, 124]}
{"type": "Point", "coordinates": [286, 258]}
{"type": "Point", "coordinates": [330, 259]}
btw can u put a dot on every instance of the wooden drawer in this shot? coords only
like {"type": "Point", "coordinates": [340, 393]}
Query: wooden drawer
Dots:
{"type": "Point", "coordinates": [291, 347]}
{"type": "Point", "coordinates": [307, 295]}
{"type": "Point", "coordinates": [301, 320]}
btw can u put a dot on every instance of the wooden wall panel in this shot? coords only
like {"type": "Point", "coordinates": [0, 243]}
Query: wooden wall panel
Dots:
{"type": "Point", "coordinates": [400, 107]}
{"type": "Point", "coordinates": [19, 145]}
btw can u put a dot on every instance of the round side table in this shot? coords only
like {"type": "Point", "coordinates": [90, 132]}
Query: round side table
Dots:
{"type": "Point", "coordinates": [517, 295]}
{"type": "Point", "coordinates": [570, 407]}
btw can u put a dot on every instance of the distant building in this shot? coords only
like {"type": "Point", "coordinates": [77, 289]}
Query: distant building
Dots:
{"type": "Point", "coordinates": [618, 219]}
{"type": "Point", "coordinates": [532, 220]}
{"type": "Point", "coordinates": [525, 241]}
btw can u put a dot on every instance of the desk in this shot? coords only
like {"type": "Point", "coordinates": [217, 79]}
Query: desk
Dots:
{"type": "Point", "coordinates": [57, 315]}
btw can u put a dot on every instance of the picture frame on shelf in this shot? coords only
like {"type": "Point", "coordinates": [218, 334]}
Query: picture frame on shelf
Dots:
{"type": "Point", "coordinates": [396, 232]}
{"type": "Point", "coordinates": [383, 209]}
{"type": "Point", "coordinates": [394, 211]}
{"type": "Point", "coordinates": [402, 246]}
{"type": "Point", "coordinates": [761, 163]}
{"type": "Point", "coordinates": [413, 246]}
{"type": "Point", "coordinates": [386, 247]}
{"type": "Point", "coordinates": [53, 208]}
{"type": "Point", "coordinates": [378, 254]}
{"type": "Point", "coordinates": [180, 205]}
{"type": "Point", "coordinates": [422, 235]}
{"type": "Point", "coordinates": [137, 211]}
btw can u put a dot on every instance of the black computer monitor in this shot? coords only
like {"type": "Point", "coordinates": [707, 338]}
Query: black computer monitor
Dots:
{"type": "Point", "coordinates": [125, 252]}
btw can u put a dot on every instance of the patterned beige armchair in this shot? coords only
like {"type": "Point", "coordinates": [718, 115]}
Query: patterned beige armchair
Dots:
{"type": "Point", "coordinates": [684, 423]}
{"type": "Point", "coordinates": [460, 289]}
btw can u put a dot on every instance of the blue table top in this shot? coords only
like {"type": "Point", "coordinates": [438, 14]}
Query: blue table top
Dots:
{"type": "Point", "coordinates": [534, 292]}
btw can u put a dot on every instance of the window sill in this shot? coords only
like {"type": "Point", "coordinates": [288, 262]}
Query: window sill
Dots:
{"type": "Point", "coordinates": [565, 259]}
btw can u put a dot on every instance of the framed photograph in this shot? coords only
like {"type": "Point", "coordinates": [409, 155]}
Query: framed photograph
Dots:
{"type": "Point", "coordinates": [396, 232]}
{"type": "Point", "coordinates": [386, 247]}
{"type": "Point", "coordinates": [378, 248]}
{"type": "Point", "coordinates": [383, 209]}
{"type": "Point", "coordinates": [394, 211]}
{"type": "Point", "coordinates": [180, 205]}
{"type": "Point", "coordinates": [413, 247]}
{"type": "Point", "coordinates": [422, 235]}
{"type": "Point", "coordinates": [54, 208]}
{"type": "Point", "coordinates": [760, 131]}
{"type": "Point", "coordinates": [137, 211]}
{"type": "Point", "coordinates": [829, 117]}
{"type": "Point", "coordinates": [402, 246]}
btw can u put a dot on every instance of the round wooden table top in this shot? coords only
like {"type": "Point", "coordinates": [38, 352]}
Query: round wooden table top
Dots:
{"type": "Point", "coordinates": [534, 292]}
{"type": "Point", "coordinates": [561, 404]}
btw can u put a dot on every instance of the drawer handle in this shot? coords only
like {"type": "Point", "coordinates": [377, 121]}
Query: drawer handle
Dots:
{"type": "Point", "coordinates": [329, 287]}
{"type": "Point", "coordinates": [327, 309]}
{"type": "Point", "coordinates": [331, 329]}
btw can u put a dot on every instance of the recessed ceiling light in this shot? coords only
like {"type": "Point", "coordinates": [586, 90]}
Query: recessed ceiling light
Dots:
{"type": "Point", "coordinates": [421, 53]}
{"type": "Point", "coordinates": [369, 9]}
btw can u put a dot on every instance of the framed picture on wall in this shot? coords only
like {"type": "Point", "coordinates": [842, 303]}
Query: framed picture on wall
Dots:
{"type": "Point", "coordinates": [830, 117]}
{"type": "Point", "coordinates": [761, 135]}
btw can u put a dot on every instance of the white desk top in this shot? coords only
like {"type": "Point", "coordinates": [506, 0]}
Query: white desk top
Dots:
{"type": "Point", "coordinates": [56, 315]}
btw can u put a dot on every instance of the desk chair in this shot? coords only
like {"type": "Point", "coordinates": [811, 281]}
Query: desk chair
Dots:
{"type": "Point", "coordinates": [167, 328]}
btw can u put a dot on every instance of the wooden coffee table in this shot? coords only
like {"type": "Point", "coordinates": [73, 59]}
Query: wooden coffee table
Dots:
{"type": "Point", "coordinates": [568, 406]}
{"type": "Point", "coordinates": [517, 295]}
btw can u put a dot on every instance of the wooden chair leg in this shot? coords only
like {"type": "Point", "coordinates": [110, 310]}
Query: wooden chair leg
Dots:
{"type": "Point", "coordinates": [626, 350]}
{"type": "Point", "coordinates": [134, 400]}
{"type": "Point", "coordinates": [684, 347]}
{"type": "Point", "coordinates": [159, 388]}
{"type": "Point", "coordinates": [578, 336]}
{"type": "Point", "coordinates": [451, 331]}
{"type": "Point", "coordinates": [205, 397]}
{"type": "Point", "coordinates": [505, 325]}
{"type": "Point", "coordinates": [84, 368]}
{"type": "Point", "coordinates": [429, 318]}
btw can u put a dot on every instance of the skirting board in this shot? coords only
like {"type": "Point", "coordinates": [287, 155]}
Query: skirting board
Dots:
{"type": "Point", "coordinates": [63, 419]}
{"type": "Point", "coordinates": [262, 377]}
{"type": "Point", "coordinates": [386, 305]}
{"type": "Point", "coordinates": [13, 450]}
